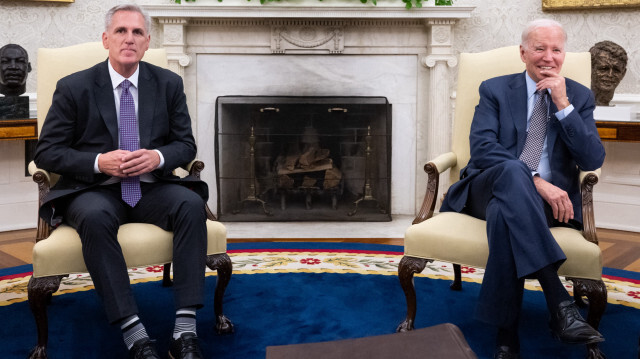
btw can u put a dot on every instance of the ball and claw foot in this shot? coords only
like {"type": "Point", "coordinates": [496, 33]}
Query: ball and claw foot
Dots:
{"type": "Point", "coordinates": [224, 325]}
{"type": "Point", "coordinates": [405, 326]}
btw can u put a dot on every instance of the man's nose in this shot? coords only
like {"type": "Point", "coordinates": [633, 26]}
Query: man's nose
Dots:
{"type": "Point", "coordinates": [129, 37]}
{"type": "Point", "coordinates": [548, 55]}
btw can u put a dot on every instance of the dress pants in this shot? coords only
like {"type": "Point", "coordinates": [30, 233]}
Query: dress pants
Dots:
{"type": "Point", "coordinates": [520, 242]}
{"type": "Point", "coordinates": [97, 214]}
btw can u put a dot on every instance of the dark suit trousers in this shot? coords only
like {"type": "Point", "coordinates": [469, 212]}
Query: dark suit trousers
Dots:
{"type": "Point", "coordinates": [98, 213]}
{"type": "Point", "coordinates": [520, 242]}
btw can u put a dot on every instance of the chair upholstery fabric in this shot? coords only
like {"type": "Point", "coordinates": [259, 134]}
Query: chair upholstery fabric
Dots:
{"type": "Point", "coordinates": [64, 247]}
{"type": "Point", "coordinates": [468, 245]}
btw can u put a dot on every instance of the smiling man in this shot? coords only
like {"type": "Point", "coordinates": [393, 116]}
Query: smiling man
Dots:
{"type": "Point", "coordinates": [114, 133]}
{"type": "Point", "coordinates": [530, 135]}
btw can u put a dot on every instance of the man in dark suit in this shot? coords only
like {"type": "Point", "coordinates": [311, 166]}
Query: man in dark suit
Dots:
{"type": "Point", "coordinates": [527, 147]}
{"type": "Point", "coordinates": [115, 132]}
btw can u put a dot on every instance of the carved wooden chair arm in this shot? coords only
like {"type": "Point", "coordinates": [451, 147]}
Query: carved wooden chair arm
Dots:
{"type": "Point", "coordinates": [194, 168]}
{"type": "Point", "coordinates": [433, 169]}
{"type": "Point", "coordinates": [587, 180]}
{"type": "Point", "coordinates": [44, 179]}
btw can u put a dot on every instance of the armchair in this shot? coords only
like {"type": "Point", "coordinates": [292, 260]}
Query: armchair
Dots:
{"type": "Point", "coordinates": [58, 252]}
{"type": "Point", "coordinates": [461, 239]}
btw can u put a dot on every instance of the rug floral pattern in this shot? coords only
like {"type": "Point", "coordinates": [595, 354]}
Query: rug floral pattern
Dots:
{"type": "Point", "coordinates": [13, 289]}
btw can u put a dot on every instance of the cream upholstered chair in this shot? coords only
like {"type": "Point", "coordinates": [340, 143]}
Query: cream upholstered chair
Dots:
{"type": "Point", "coordinates": [58, 252]}
{"type": "Point", "coordinates": [461, 239]}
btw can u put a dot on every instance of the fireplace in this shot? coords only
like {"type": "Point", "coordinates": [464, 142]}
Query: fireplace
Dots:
{"type": "Point", "coordinates": [245, 48]}
{"type": "Point", "coordinates": [303, 158]}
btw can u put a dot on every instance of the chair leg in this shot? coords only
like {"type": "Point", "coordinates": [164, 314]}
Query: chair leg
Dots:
{"type": "Point", "coordinates": [222, 264]}
{"type": "Point", "coordinates": [39, 292]}
{"type": "Point", "coordinates": [457, 278]}
{"type": "Point", "coordinates": [406, 269]}
{"type": "Point", "coordinates": [596, 293]}
{"type": "Point", "coordinates": [166, 275]}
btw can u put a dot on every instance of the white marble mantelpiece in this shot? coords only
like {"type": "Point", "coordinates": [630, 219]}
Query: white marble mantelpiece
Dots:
{"type": "Point", "coordinates": [237, 47]}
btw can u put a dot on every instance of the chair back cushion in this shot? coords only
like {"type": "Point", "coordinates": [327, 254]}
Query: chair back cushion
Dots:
{"type": "Point", "coordinates": [54, 64]}
{"type": "Point", "coordinates": [473, 68]}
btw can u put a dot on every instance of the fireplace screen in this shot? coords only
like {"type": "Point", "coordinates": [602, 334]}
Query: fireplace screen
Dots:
{"type": "Point", "coordinates": [303, 158]}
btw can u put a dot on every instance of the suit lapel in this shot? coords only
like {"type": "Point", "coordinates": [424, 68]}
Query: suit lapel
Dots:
{"type": "Point", "coordinates": [147, 85]}
{"type": "Point", "coordinates": [106, 101]}
{"type": "Point", "coordinates": [518, 106]}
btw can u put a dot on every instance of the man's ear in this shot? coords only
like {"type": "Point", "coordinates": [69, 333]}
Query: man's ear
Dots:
{"type": "Point", "coordinates": [104, 41]}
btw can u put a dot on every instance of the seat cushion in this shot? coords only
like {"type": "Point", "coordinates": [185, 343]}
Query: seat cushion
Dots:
{"type": "Point", "coordinates": [142, 245]}
{"type": "Point", "coordinates": [462, 239]}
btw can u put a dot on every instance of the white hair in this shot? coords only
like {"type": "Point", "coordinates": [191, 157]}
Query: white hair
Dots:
{"type": "Point", "coordinates": [540, 23]}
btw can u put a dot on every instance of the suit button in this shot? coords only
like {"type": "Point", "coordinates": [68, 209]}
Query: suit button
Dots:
{"type": "Point", "coordinates": [571, 131]}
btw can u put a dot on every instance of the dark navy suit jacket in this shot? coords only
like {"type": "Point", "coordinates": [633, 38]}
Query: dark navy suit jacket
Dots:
{"type": "Point", "coordinates": [499, 130]}
{"type": "Point", "coordinates": [82, 122]}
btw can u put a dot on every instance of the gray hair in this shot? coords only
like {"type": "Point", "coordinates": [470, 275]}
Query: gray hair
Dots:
{"type": "Point", "coordinates": [127, 7]}
{"type": "Point", "coordinates": [539, 23]}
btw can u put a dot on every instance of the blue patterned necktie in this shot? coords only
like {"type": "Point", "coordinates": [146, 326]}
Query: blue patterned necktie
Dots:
{"type": "Point", "coordinates": [537, 132]}
{"type": "Point", "coordinates": [130, 186]}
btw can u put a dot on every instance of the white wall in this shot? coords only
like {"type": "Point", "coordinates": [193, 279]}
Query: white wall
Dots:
{"type": "Point", "coordinates": [493, 24]}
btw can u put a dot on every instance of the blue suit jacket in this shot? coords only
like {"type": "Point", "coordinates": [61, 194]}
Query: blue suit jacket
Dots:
{"type": "Point", "coordinates": [82, 122]}
{"type": "Point", "coordinates": [499, 130]}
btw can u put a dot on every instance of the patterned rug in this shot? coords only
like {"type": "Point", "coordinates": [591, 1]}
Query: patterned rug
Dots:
{"type": "Point", "coordinates": [300, 292]}
{"type": "Point", "coordinates": [250, 260]}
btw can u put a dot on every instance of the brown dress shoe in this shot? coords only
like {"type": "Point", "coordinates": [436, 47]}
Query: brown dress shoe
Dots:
{"type": "Point", "coordinates": [569, 327]}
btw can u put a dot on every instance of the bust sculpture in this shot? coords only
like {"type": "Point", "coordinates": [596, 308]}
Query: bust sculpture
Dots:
{"type": "Point", "coordinates": [14, 68]}
{"type": "Point", "coordinates": [608, 67]}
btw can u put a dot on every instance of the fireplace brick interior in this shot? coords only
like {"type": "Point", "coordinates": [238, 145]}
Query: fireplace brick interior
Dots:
{"type": "Point", "coordinates": [303, 158]}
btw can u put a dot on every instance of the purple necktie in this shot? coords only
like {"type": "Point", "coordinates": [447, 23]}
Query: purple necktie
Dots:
{"type": "Point", "coordinates": [130, 186]}
{"type": "Point", "coordinates": [537, 132]}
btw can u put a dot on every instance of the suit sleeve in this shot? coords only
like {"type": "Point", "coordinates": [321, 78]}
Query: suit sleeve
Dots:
{"type": "Point", "coordinates": [579, 133]}
{"type": "Point", "coordinates": [179, 147]}
{"type": "Point", "coordinates": [55, 151]}
{"type": "Point", "coordinates": [484, 136]}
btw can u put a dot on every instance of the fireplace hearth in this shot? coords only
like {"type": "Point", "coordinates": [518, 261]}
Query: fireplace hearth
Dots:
{"type": "Point", "coordinates": [303, 158]}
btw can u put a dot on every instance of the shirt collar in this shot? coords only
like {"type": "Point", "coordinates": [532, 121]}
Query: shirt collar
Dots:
{"type": "Point", "coordinates": [116, 78]}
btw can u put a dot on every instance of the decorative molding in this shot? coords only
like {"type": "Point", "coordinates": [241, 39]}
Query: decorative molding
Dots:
{"type": "Point", "coordinates": [431, 60]}
{"type": "Point", "coordinates": [248, 11]}
{"type": "Point", "coordinates": [309, 38]}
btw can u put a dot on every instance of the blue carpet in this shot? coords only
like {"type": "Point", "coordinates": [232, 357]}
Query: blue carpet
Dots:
{"type": "Point", "coordinates": [286, 308]}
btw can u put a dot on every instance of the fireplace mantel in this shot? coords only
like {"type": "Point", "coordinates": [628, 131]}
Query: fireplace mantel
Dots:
{"type": "Point", "coordinates": [387, 40]}
{"type": "Point", "coordinates": [328, 9]}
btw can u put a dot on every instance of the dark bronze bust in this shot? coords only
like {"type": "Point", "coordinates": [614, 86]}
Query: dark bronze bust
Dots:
{"type": "Point", "coordinates": [14, 68]}
{"type": "Point", "coordinates": [608, 67]}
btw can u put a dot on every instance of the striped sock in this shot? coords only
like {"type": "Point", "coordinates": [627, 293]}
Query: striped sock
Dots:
{"type": "Point", "coordinates": [132, 330]}
{"type": "Point", "coordinates": [185, 321]}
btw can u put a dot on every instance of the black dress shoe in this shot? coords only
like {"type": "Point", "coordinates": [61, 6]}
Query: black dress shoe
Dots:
{"type": "Point", "coordinates": [504, 352]}
{"type": "Point", "coordinates": [185, 347]}
{"type": "Point", "coordinates": [143, 349]}
{"type": "Point", "coordinates": [568, 325]}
